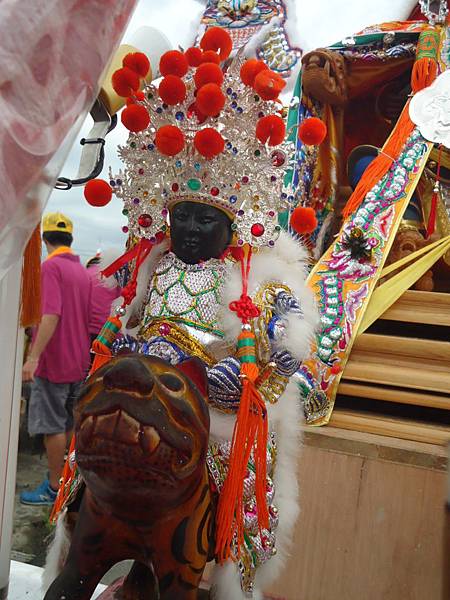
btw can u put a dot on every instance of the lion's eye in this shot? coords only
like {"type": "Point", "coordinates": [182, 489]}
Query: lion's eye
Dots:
{"type": "Point", "coordinates": [171, 382]}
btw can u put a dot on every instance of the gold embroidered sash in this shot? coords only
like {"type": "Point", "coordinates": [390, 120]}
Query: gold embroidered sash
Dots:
{"type": "Point", "coordinates": [346, 275]}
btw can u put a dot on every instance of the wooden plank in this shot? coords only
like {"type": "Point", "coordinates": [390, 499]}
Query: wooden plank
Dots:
{"type": "Point", "coordinates": [368, 529]}
{"type": "Point", "coordinates": [394, 505]}
{"type": "Point", "coordinates": [406, 373]}
{"type": "Point", "coordinates": [383, 345]}
{"type": "Point", "coordinates": [391, 427]}
{"type": "Point", "coordinates": [431, 308]}
{"type": "Point", "coordinates": [388, 394]}
{"type": "Point", "coordinates": [370, 445]}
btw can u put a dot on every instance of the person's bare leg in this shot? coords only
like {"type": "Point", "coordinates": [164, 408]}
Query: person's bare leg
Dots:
{"type": "Point", "coordinates": [55, 445]}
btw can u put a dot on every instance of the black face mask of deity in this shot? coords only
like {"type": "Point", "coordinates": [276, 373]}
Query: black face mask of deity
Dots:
{"type": "Point", "coordinates": [199, 232]}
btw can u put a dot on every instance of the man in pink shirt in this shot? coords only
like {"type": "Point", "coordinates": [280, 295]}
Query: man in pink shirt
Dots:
{"type": "Point", "coordinates": [103, 295]}
{"type": "Point", "coordinates": [59, 359]}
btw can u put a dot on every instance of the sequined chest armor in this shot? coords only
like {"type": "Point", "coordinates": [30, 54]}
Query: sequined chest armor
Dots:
{"type": "Point", "coordinates": [182, 307]}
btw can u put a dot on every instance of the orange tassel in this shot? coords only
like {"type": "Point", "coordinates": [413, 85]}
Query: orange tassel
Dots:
{"type": "Point", "coordinates": [101, 346]}
{"type": "Point", "coordinates": [250, 433]}
{"type": "Point", "coordinates": [31, 281]}
{"type": "Point", "coordinates": [425, 68]}
{"type": "Point", "coordinates": [382, 163]}
{"type": "Point", "coordinates": [423, 74]}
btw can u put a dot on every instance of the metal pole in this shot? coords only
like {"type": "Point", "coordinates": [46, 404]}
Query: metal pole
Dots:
{"type": "Point", "coordinates": [11, 352]}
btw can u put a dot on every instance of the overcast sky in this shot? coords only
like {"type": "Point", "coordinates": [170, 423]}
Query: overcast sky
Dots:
{"type": "Point", "coordinates": [316, 24]}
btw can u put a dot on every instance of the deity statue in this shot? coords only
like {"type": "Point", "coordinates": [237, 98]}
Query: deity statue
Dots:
{"type": "Point", "coordinates": [209, 277]}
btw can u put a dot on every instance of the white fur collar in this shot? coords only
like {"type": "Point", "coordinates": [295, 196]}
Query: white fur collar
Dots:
{"type": "Point", "coordinates": [285, 263]}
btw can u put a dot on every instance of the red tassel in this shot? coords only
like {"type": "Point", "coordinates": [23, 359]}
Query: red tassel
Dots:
{"type": "Point", "coordinates": [431, 225]}
{"type": "Point", "coordinates": [250, 433]}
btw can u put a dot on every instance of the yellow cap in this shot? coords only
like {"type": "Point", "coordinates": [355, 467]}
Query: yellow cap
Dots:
{"type": "Point", "coordinates": [56, 222]}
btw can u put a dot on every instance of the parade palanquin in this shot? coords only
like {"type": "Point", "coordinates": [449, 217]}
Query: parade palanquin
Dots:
{"type": "Point", "coordinates": [381, 195]}
{"type": "Point", "coordinates": [188, 428]}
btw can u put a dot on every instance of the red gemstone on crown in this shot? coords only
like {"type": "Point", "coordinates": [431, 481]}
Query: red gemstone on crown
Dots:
{"type": "Point", "coordinates": [278, 158]}
{"type": "Point", "coordinates": [214, 191]}
{"type": "Point", "coordinates": [257, 229]}
{"type": "Point", "coordinates": [175, 187]}
{"type": "Point", "coordinates": [145, 220]}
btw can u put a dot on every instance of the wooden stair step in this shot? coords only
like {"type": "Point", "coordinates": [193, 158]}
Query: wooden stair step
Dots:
{"type": "Point", "coordinates": [429, 308]}
{"type": "Point", "coordinates": [400, 362]}
{"type": "Point", "coordinates": [390, 426]}
{"type": "Point", "coordinates": [401, 373]}
{"type": "Point", "coordinates": [389, 394]}
{"type": "Point", "coordinates": [375, 345]}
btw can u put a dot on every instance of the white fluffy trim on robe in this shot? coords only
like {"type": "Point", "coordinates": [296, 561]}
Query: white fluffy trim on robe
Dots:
{"type": "Point", "coordinates": [286, 263]}
{"type": "Point", "coordinates": [57, 552]}
{"type": "Point", "coordinates": [285, 417]}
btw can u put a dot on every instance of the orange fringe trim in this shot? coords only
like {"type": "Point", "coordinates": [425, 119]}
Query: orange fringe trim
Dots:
{"type": "Point", "coordinates": [101, 346]}
{"type": "Point", "coordinates": [31, 281]}
{"type": "Point", "coordinates": [67, 477]}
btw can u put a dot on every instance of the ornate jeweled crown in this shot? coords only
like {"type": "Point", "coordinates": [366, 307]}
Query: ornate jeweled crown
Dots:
{"type": "Point", "coordinates": [233, 159]}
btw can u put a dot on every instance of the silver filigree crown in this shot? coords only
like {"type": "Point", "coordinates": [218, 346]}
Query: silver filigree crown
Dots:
{"type": "Point", "coordinates": [245, 180]}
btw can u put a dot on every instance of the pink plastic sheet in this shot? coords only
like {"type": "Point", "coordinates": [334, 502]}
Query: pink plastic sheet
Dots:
{"type": "Point", "coordinates": [52, 56]}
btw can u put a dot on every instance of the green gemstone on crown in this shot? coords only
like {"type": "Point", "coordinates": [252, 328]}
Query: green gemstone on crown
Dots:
{"type": "Point", "coordinates": [194, 184]}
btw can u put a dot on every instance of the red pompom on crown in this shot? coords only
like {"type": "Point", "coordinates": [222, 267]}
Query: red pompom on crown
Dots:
{"type": "Point", "coordinates": [135, 98]}
{"type": "Point", "coordinates": [210, 56]}
{"type": "Point", "coordinates": [303, 220]}
{"type": "Point", "coordinates": [218, 40]}
{"type": "Point", "coordinates": [194, 56]}
{"type": "Point", "coordinates": [173, 62]}
{"type": "Point", "coordinates": [98, 192]}
{"type": "Point", "coordinates": [210, 99]}
{"type": "Point", "coordinates": [268, 84]}
{"type": "Point", "coordinates": [208, 73]}
{"type": "Point", "coordinates": [250, 70]}
{"type": "Point", "coordinates": [169, 140]}
{"type": "Point", "coordinates": [137, 62]}
{"type": "Point", "coordinates": [125, 82]}
{"type": "Point", "coordinates": [135, 117]}
{"type": "Point", "coordinates": [271, 130]}
{"type": "Point", "coordinates": [172, 90]}
{"type": "Point", "coordinates": [208, 142]}
{"type": "Point", "coordinates": [194, 109]}
{"type": "Point", "coordinates": [312, 131]}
